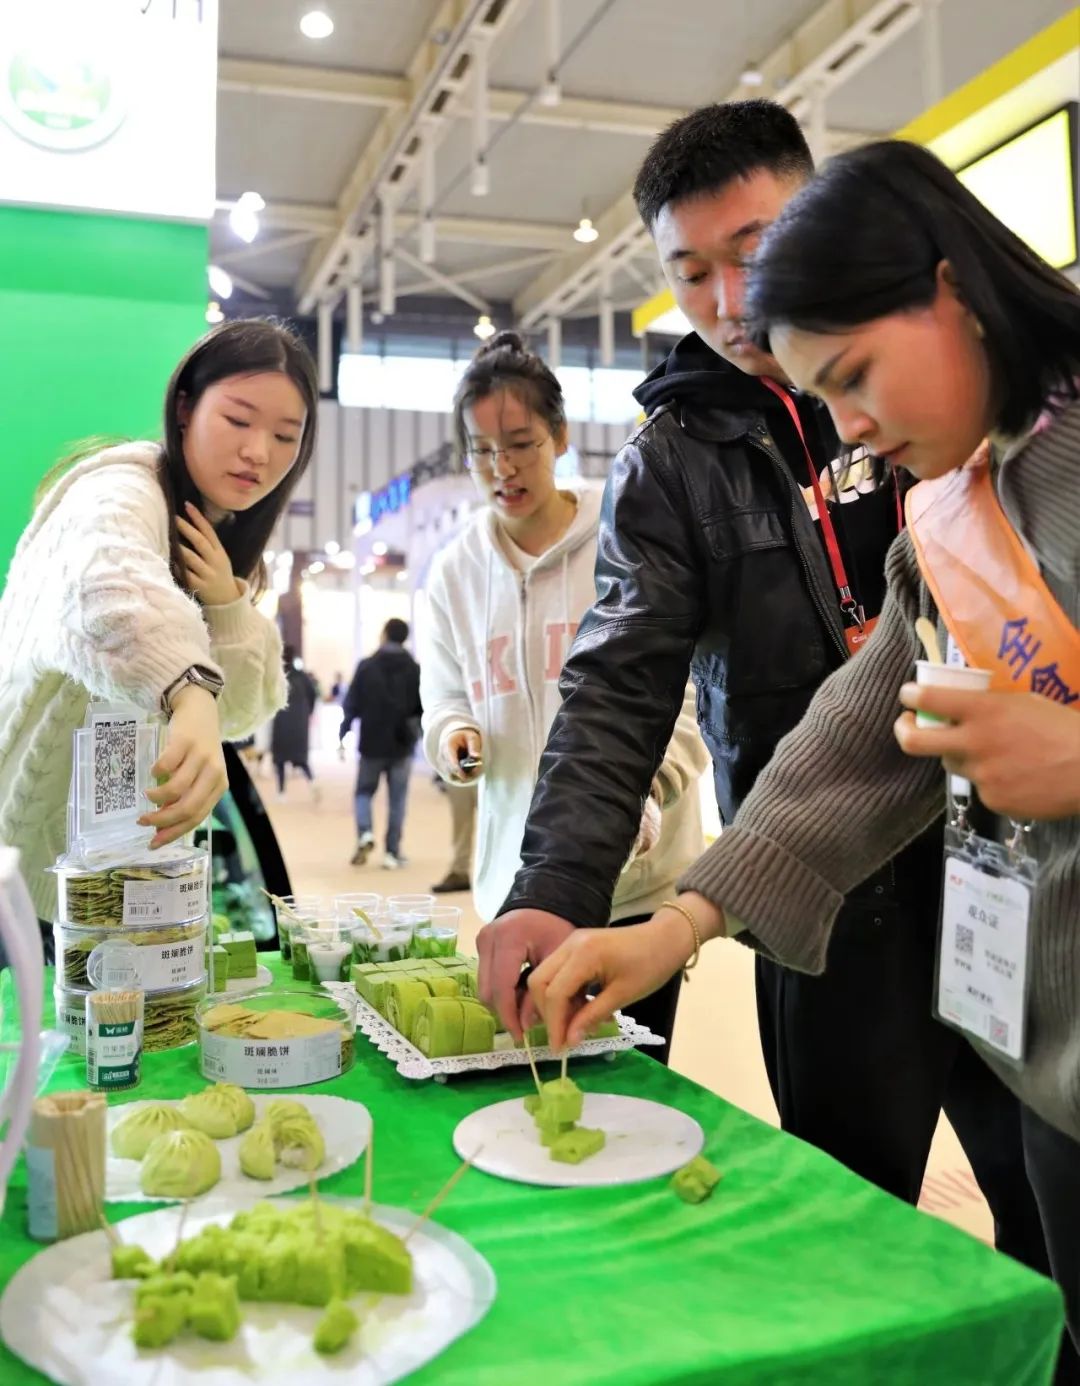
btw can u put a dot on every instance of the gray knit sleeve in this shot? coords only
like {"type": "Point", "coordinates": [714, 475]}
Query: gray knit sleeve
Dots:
{"type": "Point", "coordinates": [837, 800]}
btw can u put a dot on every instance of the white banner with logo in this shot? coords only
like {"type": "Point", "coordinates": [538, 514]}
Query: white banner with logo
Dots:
{"type": "Point", "coordinates": [109, 105]}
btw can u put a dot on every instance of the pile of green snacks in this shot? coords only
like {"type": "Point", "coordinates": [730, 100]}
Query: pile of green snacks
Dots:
{"type": "Point", "coordinates": [556, 1110]}
{"type": "Point", "coordinates": [169, 1018]}
{"type": "Point", "coordinates": [282, 1254]}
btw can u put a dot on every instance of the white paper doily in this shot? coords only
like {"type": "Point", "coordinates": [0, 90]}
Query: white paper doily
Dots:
{"type": "Point", "coordinates": [412, 1064]}
{"type": "Point", "coordinates": [63, 1315]}
{"type": "Point", "coordinates": [345, 1127]}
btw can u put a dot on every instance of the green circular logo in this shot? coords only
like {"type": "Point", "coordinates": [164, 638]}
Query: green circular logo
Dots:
{"type": "Point", "coordinates": [58, 99]}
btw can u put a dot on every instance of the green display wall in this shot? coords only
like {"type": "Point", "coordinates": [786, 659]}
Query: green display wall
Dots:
{"type": "Point", "coordinates": [94, 313]}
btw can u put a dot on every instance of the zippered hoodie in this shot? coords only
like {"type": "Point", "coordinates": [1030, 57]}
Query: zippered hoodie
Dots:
{"type": "Point", "coordinates": [477, 601]}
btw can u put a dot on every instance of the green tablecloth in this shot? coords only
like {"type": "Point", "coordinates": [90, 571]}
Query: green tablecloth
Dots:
{"type": "Point", "coordinates": [794, 1271]}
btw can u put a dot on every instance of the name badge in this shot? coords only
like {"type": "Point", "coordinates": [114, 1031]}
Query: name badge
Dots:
{"type": "Point", "coordinates": [983, 958]}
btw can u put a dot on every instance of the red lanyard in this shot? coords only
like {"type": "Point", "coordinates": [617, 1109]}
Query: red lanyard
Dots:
{"type": "Point", "coordinates": [848, 604]}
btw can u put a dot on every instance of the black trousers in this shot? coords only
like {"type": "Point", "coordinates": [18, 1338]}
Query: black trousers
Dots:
{"type": "Point", "coordinates": [859, 1067]}
{"type": "Point", "coordinates": [1053, 1166]}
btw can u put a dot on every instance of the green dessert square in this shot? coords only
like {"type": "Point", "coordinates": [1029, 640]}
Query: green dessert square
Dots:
{"type": "Point", "coordinates": [572, 1147]}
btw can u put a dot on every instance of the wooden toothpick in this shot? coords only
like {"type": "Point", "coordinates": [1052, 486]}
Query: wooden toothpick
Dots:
{"type": "Point", "coordinates": [369, 1170]}
{"type": "Point", "coordinates": [532, 1061]}
{"type": "Point", "coordinates": [109, 1230]}
{"type": "Point", "coordinates": [171, 1258]}
{"type": "Point", "coordinates": [565, 1057]}
{"type": "Point", "coordinates": [443, 1192]}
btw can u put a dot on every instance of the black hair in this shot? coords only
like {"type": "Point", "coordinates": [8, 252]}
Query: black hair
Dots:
{"type": "Point", "coordinates": [245, 346]}
{"type": "Point", "coordinates": [504, 362]}
{"type": "Point", "coordinates": [866, 237]}
{"type": "Point", "coordinates": [711, 147]}
{"type": "Point", "coordinates": [396, 630]}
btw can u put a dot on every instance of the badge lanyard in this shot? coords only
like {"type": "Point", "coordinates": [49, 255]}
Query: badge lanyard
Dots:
{"type": "Point", "coordinates": [984, 940]}
{"type": "Point", "coordinates": [856, 627]}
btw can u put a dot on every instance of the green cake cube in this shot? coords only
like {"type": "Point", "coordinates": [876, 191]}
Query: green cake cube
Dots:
{"type": "Point", "coordinates": [696, 1180]}
{"type": "Point", "coordinates": [132, 1263]}
{"type": "Point", "coordinates": [214, 1310]}
{"type": "Point", "coordinates": [242, 955]}
{"type": "Point", "coordinates": [561, 1100]}
{"type": "Point", "coordinates": [552, 1131]}
{"type": "Point", "coordinates": [571, 1147]}
{"type": "Point", "coordinates": [219, 963]}
{"type": "Point", "coordinates": [159, 1319]}
{"type": "Point", "coordinates": [335, 1328]}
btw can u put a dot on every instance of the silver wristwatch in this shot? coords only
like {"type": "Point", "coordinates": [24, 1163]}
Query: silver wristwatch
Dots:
{"type": "Point", "coordinates": [199, 677]}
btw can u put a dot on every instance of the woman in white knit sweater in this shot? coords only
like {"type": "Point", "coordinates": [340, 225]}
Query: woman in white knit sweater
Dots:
{"type": "Point", "coordinates": [134, 582]}
{"type": "Point", "coordinates": [504, 599]}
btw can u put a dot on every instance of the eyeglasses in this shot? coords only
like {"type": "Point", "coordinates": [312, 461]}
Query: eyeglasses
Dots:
{"type": "Point", "coordinates": [518, 454]}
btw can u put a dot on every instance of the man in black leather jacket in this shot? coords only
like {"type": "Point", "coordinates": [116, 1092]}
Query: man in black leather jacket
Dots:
{"type": "Point", "coordinates": [711, 558]}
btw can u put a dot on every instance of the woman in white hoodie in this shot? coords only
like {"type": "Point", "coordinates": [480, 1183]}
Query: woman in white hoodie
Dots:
{"type": "Point", "coordinates": [134, 583]}
{"type": "Point", "coordinates": [504, 599]}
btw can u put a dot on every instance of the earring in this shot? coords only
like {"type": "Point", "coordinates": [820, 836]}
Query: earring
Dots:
{"type": "Point", "coordinates": [980, 331]}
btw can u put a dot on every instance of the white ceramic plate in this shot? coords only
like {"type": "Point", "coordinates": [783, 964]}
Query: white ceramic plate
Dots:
{"type": "Point", "coordinates": [346, 1128]}
{"type": "Point", "coordinates": [240, 986]}
{"type": "Point", "coordinates": [63, 1315]}
{"type": "Point", "coordinates": [644, 1141]}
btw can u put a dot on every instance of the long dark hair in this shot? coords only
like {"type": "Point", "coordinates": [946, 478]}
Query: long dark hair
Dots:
{"type": "Point", "coordinates": [246, 346]}
{"type": "Point", "coordinates": [865, 238]}
{"type": "Point", "coordinates": [504, 362]}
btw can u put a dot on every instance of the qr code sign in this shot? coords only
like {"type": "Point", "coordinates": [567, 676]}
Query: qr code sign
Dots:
{"type": "Point", "coordinates": [999, 1032]}
{"type": "Point", "coordinates": [114, 767]}
{"type": "Point", "coordinates": [965, 940]}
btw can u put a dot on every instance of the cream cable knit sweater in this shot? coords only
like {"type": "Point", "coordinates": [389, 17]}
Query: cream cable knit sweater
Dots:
{"type": "Point", "coordinates": [90, 609]}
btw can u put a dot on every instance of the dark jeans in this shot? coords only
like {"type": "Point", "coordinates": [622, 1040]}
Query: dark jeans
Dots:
{"type": "Point", "coordinates": [657, 1010]}
{"type": "Point", "coordinates": [368, 774]}
{"type": "Point", "coordinates": [860, 1068]}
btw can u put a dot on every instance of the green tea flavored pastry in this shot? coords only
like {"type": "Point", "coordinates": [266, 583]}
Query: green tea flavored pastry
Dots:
{"type": "Point", "coordinates": [219, 962]}
{"type": "Point", "coordinates": [696, 1180]}
{"type": "Point", "coordinates": [532, 1103]}
{"type": "Point", "coordinates": [132, 1262]}
{"type": "Point", "coordinates": [560, 1100]}
{"type": "Point", "coordinates": [180, 1164]}
{"type": "Point", "coordinates": [132, 1137]}
{"type": "Point", "coordinates": [158, 1320]}
{"type": "Point", "coordinates": [439, 1027]}
{"type": "Point", "coordinates": [282, 1108]}
{"type": "Point", "coordinates": [576, 1145]}
{"type": "Point", "coordinates": [552, 1131]}
{"type": "Point", "coordinates": [404, 998]}
{"type": "Point", "coordinates": [212, 1111]}
{"type": "Point", "coordinates": [214, 1307]}
{"type": "Point", "coordinates": [240, 947]}
{"type": "Point", "coordinates": [441, 986]}
{"type": "Point", "coordinates": [257, 1152]}
{"type": "Point", "coordinates": [242, 1105]}
{"type": "Point", "coordinates": [478, 1031]}
{"type": "Point", "coordinates": [166, 1285]}
{"type": "Point", "coordinates": [335, 1328]}
{"type": "Point", "coordinates": [298, 1143]}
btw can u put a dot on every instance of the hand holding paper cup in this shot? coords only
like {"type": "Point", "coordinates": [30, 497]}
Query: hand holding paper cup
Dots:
{"type": "Point", "coordinates": [935, 672]}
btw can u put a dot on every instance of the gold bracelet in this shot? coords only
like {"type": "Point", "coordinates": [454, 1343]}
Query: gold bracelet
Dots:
{"type": "Point", "coordinates": [681, 909]}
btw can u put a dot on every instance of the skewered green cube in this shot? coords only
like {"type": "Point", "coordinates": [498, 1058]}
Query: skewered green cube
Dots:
{"type": "Point", "coordinates": [550, 1132]}
{"type": "Point", "coordinates": [159, 1319]}
{"type": "Point", "coordinates": [696, 1180]}
{"type": "Point", "coordinates": [132, 1263]}
{"type": "Point", "coordinates": [560, 1101]}
{"type": "Point", "coordinates": [572, 1147]}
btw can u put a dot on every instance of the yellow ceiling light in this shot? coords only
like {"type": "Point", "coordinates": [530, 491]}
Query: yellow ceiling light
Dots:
{"type": "Point", "coordinates": [585, 232]}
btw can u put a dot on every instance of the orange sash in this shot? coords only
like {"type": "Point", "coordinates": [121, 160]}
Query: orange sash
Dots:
{"type": "Point", "coordinates": [988, 588]}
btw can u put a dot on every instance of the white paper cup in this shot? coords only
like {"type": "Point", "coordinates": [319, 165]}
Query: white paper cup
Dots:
{"type": "Point", "coordinates": [948, 676]}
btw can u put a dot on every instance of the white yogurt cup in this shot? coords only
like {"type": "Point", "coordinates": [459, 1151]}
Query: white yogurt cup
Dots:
{"type": "Point", "coordinates": [948, 676]}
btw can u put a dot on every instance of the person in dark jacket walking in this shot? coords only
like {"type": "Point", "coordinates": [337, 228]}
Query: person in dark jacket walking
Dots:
{"type": "Point", "coordinates": [720, 554]}
{"type": "Point", "coordinates": [385, 696]}
{"type": "Point", "coordinates": [290, 736]}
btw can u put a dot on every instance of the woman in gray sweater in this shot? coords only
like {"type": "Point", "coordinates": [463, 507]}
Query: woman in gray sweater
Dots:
{"type": "Point", "coordinates": [927, 327]}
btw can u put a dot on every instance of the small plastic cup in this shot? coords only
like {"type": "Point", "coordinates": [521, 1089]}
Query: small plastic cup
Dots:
{"type": "Point", "coordinates": [929, 675]}
{"type": "Point", "coordinates": [436, 932]}
{"type": "Point", "coordinates": [358, 906]}
{"type": "Point", "coordinates": [302, 906]}
{"type": "Point", "coordinates": [409, 904]}
{"type": "Point", "coordinates": [329, 950]}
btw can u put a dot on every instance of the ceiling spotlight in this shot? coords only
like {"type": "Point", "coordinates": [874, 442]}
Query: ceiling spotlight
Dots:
{"type": "Point", "coordinates": [316, 24]}
{"type": "Point", "coordinates": [332, 547]}
{"type": "Point", "coordinates": [585, 231]}
{"type": "Point", "coordinates": [316, 567]}
{"type": "Point", "coordinates": [220, 281]}
{"type": "Point", "coordinates": [379, 549]}
{"type": "Point", "coordinates": [484, 327]}
{"type": "Point", "coordinates": [751, 75]}
{"type": "Point", "coordinates": [244, 217]}
{"type": "Point", "coordinates": [213, 311]}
